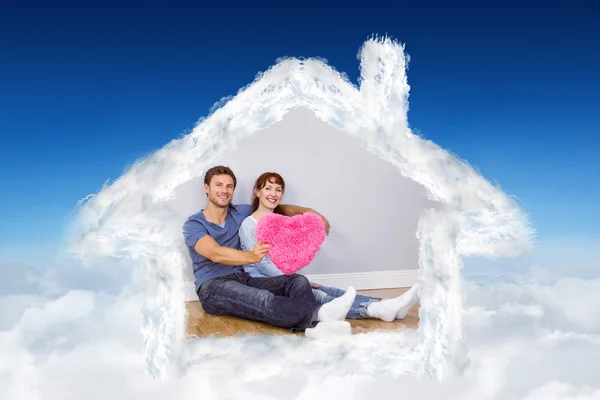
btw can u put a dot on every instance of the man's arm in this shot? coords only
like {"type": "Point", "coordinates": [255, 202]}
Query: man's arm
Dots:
{"type": "Point", "coordinates": [209, 248]}
{"type": "Point", "coordinates": [291, 209]}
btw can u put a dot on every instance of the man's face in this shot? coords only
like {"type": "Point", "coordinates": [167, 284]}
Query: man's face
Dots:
{"type": "Point", "coordinates": [220, 191]}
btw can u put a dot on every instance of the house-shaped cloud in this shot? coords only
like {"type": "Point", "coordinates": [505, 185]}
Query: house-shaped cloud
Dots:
{"type": "Point", "coordinates": [305, 120]}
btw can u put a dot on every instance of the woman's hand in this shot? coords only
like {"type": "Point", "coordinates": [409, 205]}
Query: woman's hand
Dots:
{"type": "Point", "coordinates": [314, 285]}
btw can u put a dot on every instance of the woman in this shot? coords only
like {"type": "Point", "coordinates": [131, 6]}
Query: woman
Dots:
{"type": "Point", "coordinates": [267, 194]}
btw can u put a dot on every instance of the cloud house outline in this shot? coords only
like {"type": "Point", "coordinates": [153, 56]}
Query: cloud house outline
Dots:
{"type": "Point", "coordinates": [126, 219]}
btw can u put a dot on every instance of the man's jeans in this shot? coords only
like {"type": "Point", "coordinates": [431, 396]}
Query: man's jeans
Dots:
{"type": "Point", "coordinates": [286, 301]}
{"type": "Point", "coordinates": [324, 294]}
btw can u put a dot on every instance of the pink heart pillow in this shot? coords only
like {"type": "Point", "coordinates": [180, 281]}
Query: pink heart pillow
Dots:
{"type": "Point", "coordinates": [294, 240]}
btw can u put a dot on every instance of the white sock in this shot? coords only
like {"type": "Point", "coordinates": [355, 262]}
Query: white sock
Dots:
{"type": "Point", "coordinates": [337, 309]}
{"type": "Point", "coordinates": [329, 329]}
{"type": "Point", "coordinates": [402, 313]}
{"type": "Point", "coordinates": [388, 309]}
{"type": "Point", "coordinates": [412, 293]}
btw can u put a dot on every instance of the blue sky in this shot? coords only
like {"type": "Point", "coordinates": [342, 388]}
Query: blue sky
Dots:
{"type": "Point", "coordinates": [84, 93]}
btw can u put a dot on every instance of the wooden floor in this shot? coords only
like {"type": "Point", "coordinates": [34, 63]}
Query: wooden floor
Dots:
{"type": "Point", "coordinates": [199, 324]}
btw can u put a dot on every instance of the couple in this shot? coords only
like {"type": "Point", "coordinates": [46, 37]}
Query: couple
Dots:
{"type": "Point", "coordinates": [234, 275]}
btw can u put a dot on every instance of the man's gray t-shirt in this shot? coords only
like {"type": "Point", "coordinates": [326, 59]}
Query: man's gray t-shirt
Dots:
{"type": "Point", "coordinates": [196, 227]}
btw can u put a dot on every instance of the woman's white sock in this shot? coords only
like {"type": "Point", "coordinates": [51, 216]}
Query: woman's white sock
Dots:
{"type": "Point", "coordinates": [337, 309]}
{"type": "Point", "coordinates": [402, 313]}
{"type": "Point", "coordinates": [390, 309]}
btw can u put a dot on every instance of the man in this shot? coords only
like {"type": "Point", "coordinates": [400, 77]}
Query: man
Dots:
{"type": "Point", "coordinates": [223, 287]}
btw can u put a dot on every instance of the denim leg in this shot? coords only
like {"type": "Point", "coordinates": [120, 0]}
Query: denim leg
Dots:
{"type": "Point", "coordinates": [321, 297]}
{"type": "Point", "coordinates": [359, 309]}
{"type": "Point", "coordinates": [335, 292]}
{"type": "Point", "coordinates": [294, 286]}
{"type": "Point", "coordinates": [283, 301]}
{"type": "Point", "coordinates": [359, 306]}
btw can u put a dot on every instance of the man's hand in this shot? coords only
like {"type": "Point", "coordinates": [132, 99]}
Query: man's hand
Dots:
{"type": "Point", "coordinates": [208, 247]}
{"type": "Point", "coordinates": [260, 250]}
{"type": "Point", "coordinates": [314, 285]}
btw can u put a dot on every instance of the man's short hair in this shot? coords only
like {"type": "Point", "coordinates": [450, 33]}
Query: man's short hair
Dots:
{"type": "Point", "coordinates": [219, 170]}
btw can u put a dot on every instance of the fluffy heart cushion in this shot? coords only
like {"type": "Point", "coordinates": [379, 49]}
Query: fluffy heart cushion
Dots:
{"type": "Point", "coordinates": [294, 240]}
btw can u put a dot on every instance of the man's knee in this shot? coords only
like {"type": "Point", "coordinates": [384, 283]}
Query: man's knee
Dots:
{"type": "Point", "coordinates": [207, 288]}
{"type": "Point", "coordinates": [300, 279]}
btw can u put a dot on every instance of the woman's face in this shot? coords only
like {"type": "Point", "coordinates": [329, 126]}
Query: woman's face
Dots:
{"type": "Point", "coordinates": [270, 196]}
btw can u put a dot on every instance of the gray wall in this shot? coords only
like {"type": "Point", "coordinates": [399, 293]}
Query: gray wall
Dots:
{"type": "Point", "coordinates": [373, 210]}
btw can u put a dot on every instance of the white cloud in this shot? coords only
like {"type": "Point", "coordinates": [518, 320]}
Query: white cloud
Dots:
{"type": "Point", "coordinates": [555, 390]}
{"type": "Point", "coordinates": [88, 344]}
{"type": "Point", "coordinates": [18, 277]}
{"type": "Point", "coordinates": [556, 303]}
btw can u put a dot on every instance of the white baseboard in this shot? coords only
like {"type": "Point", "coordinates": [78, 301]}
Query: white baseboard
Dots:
{"type": "Point", "coordinates": [360, 281]}
{"type": "Point", "coordinates": [367, 280]}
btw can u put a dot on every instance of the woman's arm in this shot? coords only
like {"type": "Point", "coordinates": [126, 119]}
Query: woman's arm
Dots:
{"type": "Point", "coordinates": [248, 241]}
{"type": "Point", "coordinates": [290, 210]}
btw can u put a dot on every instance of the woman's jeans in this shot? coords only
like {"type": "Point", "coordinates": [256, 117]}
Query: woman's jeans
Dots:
{"type": "Point", "coordinates": [324, 294]}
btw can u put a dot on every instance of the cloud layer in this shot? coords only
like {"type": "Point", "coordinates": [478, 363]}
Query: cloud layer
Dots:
{"type": "Point", "coordinates": [526, 339]}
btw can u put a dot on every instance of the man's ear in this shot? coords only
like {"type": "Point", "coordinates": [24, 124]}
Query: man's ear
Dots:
{"type": "Point", "coordinates": [206, 188]}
